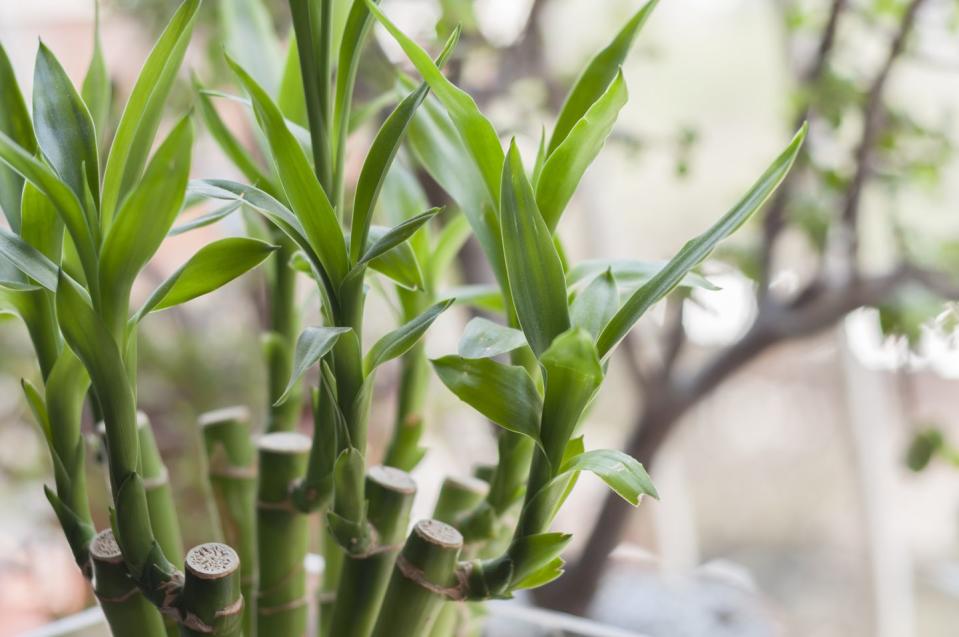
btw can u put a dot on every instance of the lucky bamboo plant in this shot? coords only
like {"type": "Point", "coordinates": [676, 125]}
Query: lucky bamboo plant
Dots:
{"type": "Point", "coordinates": [561, 338]}
{"type": "Point", "coordinates": [301, 194]}
{"type": "Point", "coordinates": [560, 326]}
{"type": "Point", "coordinates": [78, 238]}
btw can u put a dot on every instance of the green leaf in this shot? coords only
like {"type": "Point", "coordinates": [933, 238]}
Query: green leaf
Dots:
{"type": "Point", "coordinates": [370, 108]}
{"type": "Point", "coordinates": [475, 130]}
{"type": "Point", "coordinates": [66, 202]}
{"type": "Point", "coordinates": [311, 346]}
{"type": "Point", "coordinates": [28, 260]}
{"type": "Point", "coordinates": [38, 408]}
{"type": "Point", "coordinates": [96, 90]}
{"type": "Point", "coordinates": [400, 263]}
{"type": "Point", "coordinates": [78, 532]}
{"type": "Point", "coordinates": [623, 473]}
{"type": "Point", "coordinates": [397, 235]}
{"type": "Point", "coordinates": [536, 279]}
{"type": "Point", "coordinates": [400, 340]}
{"type": "Point", "coordinates": [143, 111]}
{"type": "Point", "coordinates": [486, 297]}
{"type": "Point", "coordinates": [40, 225]}
{"type": "Point", "coordinates": [448, 243]}
{"type": "Point", "coordinates": [380, 158]}
{"type": "Point", "coordinates": [377, 165]}
{"type": "Point", "coordinates": [402, 196]}
{"type": "Point", "coordinates": [205, 220]}
{"type": "Point", "coordinates": [503, 393]}
{"type": "Point", "coordinates": [63, 125]}
{"type": "Point", "coordinates": [228, 143]}
{"type": "Point", "coordinates": [630, 273]}
{"type": "Point", "coordinates": [15, 123]}
{"type": "Point", "coordinates": [212, 267]}
{"type": "Point", "coordinates": [289, 96]}
{"type": "Point", "coordinates": [540, 158]}
{"type": "Point", "coordinates": [438, 149]}
{"type": "Point", "coordinates": [596, 304]}
{"type": "Point", "coordinates": [248, 37]}
{"type": "Point", "coordinates": [596, 77]}
{"type": "Point", "coordinates": [926, 444]}
{"type": "Point", "coordinates": [532, 553]}
{"type": "Point", "coordinates": [571, 375]}
{"type": "Point", "coordinates": [566, 165]}
{"type": "Point", "coordinates": [696, 250]}
{"type": "Point", "coordinates": [483, 338]}
{"type": "Point", "coordinates": [355, 33]}
{"type": "Point", "coordinates": [300, 134]}
{"type": "Point", "coordinates": [303, 190]}
{"type": "Point", "coordinates": [548, 573]}
{"type": "Point", "coordinates": [144, 219]}
{"type": "Point", "coordinates": [312, 25]}
{"type": "Point", "coordinates": [66, 390]}
{"type": "Point", "coordinates": [275, 212]}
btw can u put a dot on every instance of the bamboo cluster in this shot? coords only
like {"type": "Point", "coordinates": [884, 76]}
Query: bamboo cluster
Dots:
{"type": "Point", "coordinates": [79, 236]}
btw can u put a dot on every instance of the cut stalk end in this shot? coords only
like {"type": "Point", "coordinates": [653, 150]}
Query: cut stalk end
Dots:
{"type": "Point", "coordinates": [212, 603]}
{"type": "Point", "coordinates": [127, 611]}
{"type": "Point", "coordinates": [422, 580]}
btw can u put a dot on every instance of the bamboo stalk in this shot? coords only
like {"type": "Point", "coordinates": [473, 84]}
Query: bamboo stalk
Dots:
{"type": "Point", "coordinates": [156, 481]}
{"type": "Point", "coordinates": [163, 516]}
{"type": "Point", "coordinates": [127, 611]}
{"type": "Point", "coordinates": [404, 451]}
{"type": "Point", "coordinates": [211, 603]}
{"type": "Point", "coordinates": [363, 578]}
{"type": "Point", "coordinates": [283, 535]}
{"type": "Point", "coordinates": [159, 498]}
{"type": "Point", "coordinates": [231, 467]}
{"type": "Point", "coordinates": [421, 581]}
{"type": "Point", "coordinates": [457, 497]}
{"type": "Point", "coordinates": [333, 558]}
{"type": "Point", "coordinates": [279, 341]}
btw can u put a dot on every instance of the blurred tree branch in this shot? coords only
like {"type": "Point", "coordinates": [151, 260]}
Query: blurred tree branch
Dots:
{"type": "Point", "coordinates": [873, 112]}
{"type": "Point", "coordinates": [774, 219]}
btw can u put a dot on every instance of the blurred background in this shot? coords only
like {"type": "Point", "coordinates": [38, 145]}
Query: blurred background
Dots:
{"type": "Point", "coordinates": [797, 422]}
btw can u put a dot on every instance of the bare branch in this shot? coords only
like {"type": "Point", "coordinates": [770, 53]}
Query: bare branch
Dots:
{"type": "Point", "coordinates": [871, 127]}
{"type": "Point", "coordinates": [774, 220]}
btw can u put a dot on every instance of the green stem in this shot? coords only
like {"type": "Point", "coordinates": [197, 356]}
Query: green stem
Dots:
{"type": "Point", "coordinates": [363, 578]}
{"type": "Point", "coordinates": [283, 535]}
{"type": "Point", "coordinates": [510, 475]}
{"type": "Point", "coordinates": [457, 497]}
{"type": "Point", "coordinates": [128, 612]}
{"type": "Point", "coordinates": [404, 451]}
{"type": "Point", "coordinates": [156, 481]}
{"type": "Point", "coordinates": [211, 603]}
{"type": "Point", "coordinates": [280, 341]}
{"type": "Point", "coordinates": [231, 467]}
{"type": "Point", "coordinates": [311, 24]}
{"type": "Point", "coordinates": [333, 558]}
{"type": "Point", "coordinates": [156, 576]}
{"type": "Point", "coordinates": [482, 524]}
{"type": "Point", "coordinates": [421, 581]}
